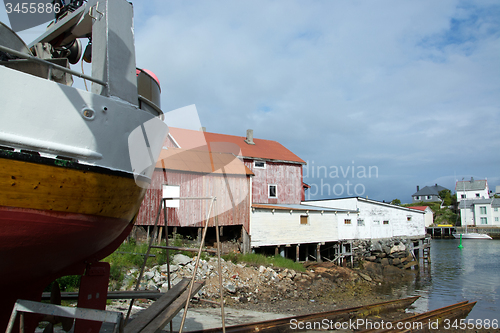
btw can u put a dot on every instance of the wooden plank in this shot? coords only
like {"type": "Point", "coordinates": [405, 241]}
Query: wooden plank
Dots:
{"type": "Point", "coordinates": [169, 313]}
{"type": "Point", "coordinates": [183, 248]}
{"type": "Point", "coordinates": [148, 315]}
{"type": "Point", "coordinates": [423, 320]}
{"type": "Point", "coordinates": [283, 324]}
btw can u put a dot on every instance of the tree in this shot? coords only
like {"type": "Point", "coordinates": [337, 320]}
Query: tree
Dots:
{"type": "Point", "coordinates": [396, 202]}
{"type": "Point", "coordinates": [445, 195]}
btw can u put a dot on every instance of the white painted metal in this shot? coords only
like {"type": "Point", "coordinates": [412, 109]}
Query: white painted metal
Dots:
{"type": "Point", "coordinates": [25, 306]}
{"type": "Point", "coordinates": [93, 128]}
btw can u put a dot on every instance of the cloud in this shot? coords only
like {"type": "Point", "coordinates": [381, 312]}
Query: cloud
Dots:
{"type": "Point", "coordinates": [409, 86]}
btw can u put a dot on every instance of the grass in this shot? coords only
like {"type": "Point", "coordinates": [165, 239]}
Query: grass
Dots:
{"type": "Point", "coordinates": [130, 255]}
{"type": "Point", "coordinates": [259, 259]}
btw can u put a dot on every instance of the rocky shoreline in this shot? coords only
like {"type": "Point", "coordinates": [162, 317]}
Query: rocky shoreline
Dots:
{"type": "Point", "coordinates": [321, 287]}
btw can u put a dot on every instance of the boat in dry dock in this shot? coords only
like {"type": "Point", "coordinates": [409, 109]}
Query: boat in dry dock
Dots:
{"type": "Point", "coordinates": [71, 160]}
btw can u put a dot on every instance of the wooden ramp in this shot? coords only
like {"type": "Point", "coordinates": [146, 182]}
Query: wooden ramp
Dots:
{"type": "Point", "coordinates": [161, 312]}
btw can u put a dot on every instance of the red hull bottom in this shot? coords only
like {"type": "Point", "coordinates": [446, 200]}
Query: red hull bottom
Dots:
{"type": "Point", "coordinates": [36, 247]}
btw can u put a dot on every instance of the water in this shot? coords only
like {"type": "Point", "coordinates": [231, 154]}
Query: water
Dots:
{"type": "Point", "coordinates": [471, 273]}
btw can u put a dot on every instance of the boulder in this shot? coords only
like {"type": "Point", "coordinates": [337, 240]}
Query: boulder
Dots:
{"type": "Point", "coordinates": [181, 259]}
{"type": "Point", "coordinates": [398, 248]}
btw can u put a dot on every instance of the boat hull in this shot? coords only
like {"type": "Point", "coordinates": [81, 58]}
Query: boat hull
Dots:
{"type": "Point", "coordinates": [472, 236]}
{"type": "Point", "coordinates": [56, 216]}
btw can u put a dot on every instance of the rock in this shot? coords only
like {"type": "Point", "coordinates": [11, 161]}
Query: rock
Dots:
{"type": "Point", "coordinates": [396, 261]}
{"type": "Point", "coordinates": [376, 247]}
{"type": "Point", "coordinates": [398, 248]}
{"type": "Point", "coordinates": [366, 277]}
{"type": "Point", "coordinates": [385, 262]}
{"type": "Point", "coordinates": [148, 275]}
{"type": "Point", "coordinates": [173, 268]}
{"type": "Point", "coordinates": [230, 287]}
{"type": "Point", "coordinates": [371, 258]}
{"type": "Point", "coordinates": [181, 259]}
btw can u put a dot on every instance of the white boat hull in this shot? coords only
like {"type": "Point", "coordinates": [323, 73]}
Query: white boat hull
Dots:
{"type": "Point", "coordinates": [471, 235]}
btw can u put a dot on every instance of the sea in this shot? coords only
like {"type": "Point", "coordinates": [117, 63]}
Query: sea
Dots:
{"type": "Point", "coordinates": [456, 274]}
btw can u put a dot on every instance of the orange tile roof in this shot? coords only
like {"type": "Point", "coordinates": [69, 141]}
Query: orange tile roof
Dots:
{"type": "Point", "coordinates": [264, 149]}
{"type": "Point", "coordinates": [419, 207]}
{"type": "Point", "coordinates": [201, 162]}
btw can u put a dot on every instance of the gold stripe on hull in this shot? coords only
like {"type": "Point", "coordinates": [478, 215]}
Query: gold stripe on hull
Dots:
{"type": "Point", "coordinates": [49, 187]}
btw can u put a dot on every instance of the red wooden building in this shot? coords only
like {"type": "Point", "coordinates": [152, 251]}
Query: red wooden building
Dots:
{"type": "Point", "coordinates": [239, 171]}
{"type": "Point", "coordinates": [278, 171]}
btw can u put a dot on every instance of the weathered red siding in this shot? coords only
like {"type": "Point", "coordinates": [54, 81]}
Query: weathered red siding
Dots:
{"type": "Point", "coordinates": [287, 177]}
{"type": "Point", "coordinates": [232, 192]}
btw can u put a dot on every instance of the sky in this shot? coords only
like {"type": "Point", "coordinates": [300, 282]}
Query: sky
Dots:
{"type": "Point", "coordinates": [376, 96]}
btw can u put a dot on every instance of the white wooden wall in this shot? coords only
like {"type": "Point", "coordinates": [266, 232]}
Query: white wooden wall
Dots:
{"type": "Point", "coordinates": [282, 227]}
{"type": "Point", "coordinates": [370, 212]}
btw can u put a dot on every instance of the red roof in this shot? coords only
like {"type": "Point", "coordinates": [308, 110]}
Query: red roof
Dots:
{"type": "Point", "coordinates": [201, 162]}
{"type": "Point", "coordinates": [264, 149]}
{"type": "Point", "coordinates": [422, 208]}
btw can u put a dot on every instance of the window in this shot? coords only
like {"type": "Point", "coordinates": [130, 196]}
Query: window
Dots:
{"type": "Point", "coordinates": [417, 197]}
{"type": "Point", "coordinates": [304, 219]}
{"type": "Point", "coordinates": [386, 222]}
{"type": "Point", "coordinates": [361, 222]}
{"type": "Point", "coordinates": [495, 209]}
{"type": "Point", "coordinates": [484, 220]}
{"type": "Point", "coordinates": [259, 164]}
{"type": "Point", "coordinates": [347, 221]}
{"type": "Point", "coordinates": [482, 210]}
{"type": "Point", "coordinates": [429, 197]}
{"type": "Point", "coordinates": [496, 219]}
{"type": "Point", "coordinates": [462, 196]}
{"type": "Point", "coordinates": [477, 195]}
{"type": "Point", "coordinates": [408, 218]}
{"type": "Point", "coordinates": [273, 190]}
{"type": "Point", "coordinates": [376, 222]}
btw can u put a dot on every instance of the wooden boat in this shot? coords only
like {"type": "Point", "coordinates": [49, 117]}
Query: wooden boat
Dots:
{"type": "Point", "coordinates": [74, 164]}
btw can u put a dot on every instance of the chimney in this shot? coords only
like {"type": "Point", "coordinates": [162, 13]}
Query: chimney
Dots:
{"type": "Point", "coordinates": [418, 188]}
{"type": "Point", "coordinates": [249, 139]}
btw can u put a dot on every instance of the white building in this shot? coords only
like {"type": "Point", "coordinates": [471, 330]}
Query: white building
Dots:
{"type": "Point", "coordinates": [374, 219]}
{"type": "Point", "coordinates": [481, 212]}
{"type": "Point", "coordinates": [298, 231]}
{"type": "Point", "coordinates": [472, 189]}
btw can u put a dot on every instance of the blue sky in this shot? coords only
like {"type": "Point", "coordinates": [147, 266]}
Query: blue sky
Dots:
{"type": "Point", "coordinates": [408, 88]}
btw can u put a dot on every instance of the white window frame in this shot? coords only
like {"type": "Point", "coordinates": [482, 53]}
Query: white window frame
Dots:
{"type": "Point", "coordinates": [259, 167]}
{"type": "Point", "coordinates": [484, 220]}
{"type": "Point", "coordinates": [361, 223]}
{"type": "Point", "coordinates": [482, 210]}
{"type": "Point", "coordinates": [269, 191]}
{"type": "Point", "coordinates": [306, 218]}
